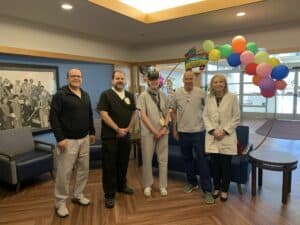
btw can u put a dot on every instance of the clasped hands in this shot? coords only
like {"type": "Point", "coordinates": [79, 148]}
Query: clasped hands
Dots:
{"type": "Point", "coordinates": [219, 134]}
{"type": "Point", "coordinates": [160, 133]}
{"type": "Point", "coordinates": [122, 132]}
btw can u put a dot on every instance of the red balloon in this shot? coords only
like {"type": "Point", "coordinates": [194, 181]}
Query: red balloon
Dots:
{"type": "Point", "coordinates": [268, 93]}
{"type": "Point", "coordinates": [280, 84]}
{"type": "Point", "coordinates": [251, 68]}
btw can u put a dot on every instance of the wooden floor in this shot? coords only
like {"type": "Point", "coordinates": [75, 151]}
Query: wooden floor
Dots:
{"type": "Point", "coordinates": [33, 205]}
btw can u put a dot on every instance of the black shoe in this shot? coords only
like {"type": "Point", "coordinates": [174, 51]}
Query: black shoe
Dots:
{"type": "Point", "coordinates": [109, 202]}
{"type": "Point", "coordinates": [126, 190]}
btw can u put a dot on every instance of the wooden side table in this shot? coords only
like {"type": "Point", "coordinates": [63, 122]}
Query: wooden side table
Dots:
{"type": "Point", "coordinates": [275, 161]}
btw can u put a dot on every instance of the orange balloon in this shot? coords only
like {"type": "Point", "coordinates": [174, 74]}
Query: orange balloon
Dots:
{"type": "Point", "coordinates": [238, 44]}
{"type": "Point", "coordinates": [256, 79]}
{"type": "Point", "coordinates": [280, 84]}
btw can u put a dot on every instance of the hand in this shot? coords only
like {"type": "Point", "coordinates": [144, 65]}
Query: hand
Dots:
{"type": "Point", "coordinates": [219, 134]}
{"type": "Point", "coordinates": [92, 139]}
{"type": "Point", "coordinates": [163, 131]}
{"type": "Point", "coordinates": [62, 145]}
{"type": "Point", "coordinates": [175, 135]}
{"type": "Point", "coordinates": [122, 132]}
{"type": "Point", "coordinates": [157, 134]}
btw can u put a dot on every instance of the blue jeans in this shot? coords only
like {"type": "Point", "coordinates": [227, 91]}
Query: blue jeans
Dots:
{"type": "Point", "coordinates": [190, 142]}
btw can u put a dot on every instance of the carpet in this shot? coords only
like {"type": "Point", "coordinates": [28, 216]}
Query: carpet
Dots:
{"type": "Point", "coordinates": [282, 129]}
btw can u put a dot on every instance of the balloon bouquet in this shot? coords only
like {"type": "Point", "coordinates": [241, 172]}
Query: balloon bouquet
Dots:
{"type": "Point", "coordinates": [267, 72]}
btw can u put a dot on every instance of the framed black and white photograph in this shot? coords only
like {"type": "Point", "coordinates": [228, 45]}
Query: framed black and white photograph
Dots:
{"type": "Point", "coordinates": [25, 95]}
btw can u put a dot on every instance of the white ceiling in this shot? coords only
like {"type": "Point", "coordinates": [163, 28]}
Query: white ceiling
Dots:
{"type": "Point", "coordinates": [98, 22]}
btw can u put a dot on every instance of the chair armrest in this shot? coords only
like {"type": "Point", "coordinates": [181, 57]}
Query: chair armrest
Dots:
{"type": "Point", "coordinates": [44, 146]}
{"type": "Point", "coordinates": [44, 143]}
{"type": "Point", "coordinates": [9, 157]}
{"type": "Point", "coordinates": [247, 149]}
{"type": "Point", "coordinates": [250, 149]}
{"type": "Point", "coordinates": [98, 144]}
{"type": "Point", "coordinates": [95, 146]}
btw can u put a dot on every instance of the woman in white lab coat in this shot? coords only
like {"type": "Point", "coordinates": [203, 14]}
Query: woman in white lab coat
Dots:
{"type": "Point", "coordinates": [221, 117]}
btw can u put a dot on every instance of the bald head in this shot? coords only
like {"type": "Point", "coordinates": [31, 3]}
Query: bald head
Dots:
{"type": "Point", "coordinates": [188, 73]}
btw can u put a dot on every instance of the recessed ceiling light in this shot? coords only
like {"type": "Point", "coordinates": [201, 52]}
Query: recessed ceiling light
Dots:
{"type": "Point", "coordinates": [241, 14]}
{"type": "Point", "coordinates": [66, 6]}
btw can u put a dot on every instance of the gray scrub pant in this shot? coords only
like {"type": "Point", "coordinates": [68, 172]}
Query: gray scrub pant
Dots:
{"type": "Point", "coordinates": [149, 145]}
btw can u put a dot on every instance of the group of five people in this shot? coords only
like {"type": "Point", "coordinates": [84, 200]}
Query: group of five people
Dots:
{"type": "Point", "coordinates": [71, 119]}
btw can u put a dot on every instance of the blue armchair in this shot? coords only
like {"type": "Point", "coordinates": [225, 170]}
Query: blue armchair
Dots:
{"type": "Point", "coordinates": [22, 157]}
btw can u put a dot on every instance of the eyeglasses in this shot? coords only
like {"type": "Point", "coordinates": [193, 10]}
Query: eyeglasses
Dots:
{"type": "Point", "coordinates": [75, 76]}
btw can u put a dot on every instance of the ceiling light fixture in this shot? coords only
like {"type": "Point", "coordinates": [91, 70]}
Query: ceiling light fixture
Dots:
{"type": "Point", "coordinates": [150, 6]}
{"type": "Point", "coordinates": [241, 14]}
{"type": "Point", "coordinates": [66, 6]}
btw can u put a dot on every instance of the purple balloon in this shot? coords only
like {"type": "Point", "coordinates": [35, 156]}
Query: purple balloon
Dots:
{"type": "Point", "coordinates": [267, 84]}
{"type": "Point", "coordinates": [161, 81]}
{"type": "Point", "coordinates": [234, 59]}
{"type": "Point", "coordinates": [280, 72]}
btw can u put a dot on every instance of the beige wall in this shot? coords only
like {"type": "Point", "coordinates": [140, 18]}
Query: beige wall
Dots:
{"type": "Point", "coordinates": [271, 39]}
{"type": "Point", "coordinates": [26, 35]}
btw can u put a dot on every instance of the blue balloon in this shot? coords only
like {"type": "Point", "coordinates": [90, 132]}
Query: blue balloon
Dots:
{"type": "Point", "coordinates": [279, 72]}
{"type": "Point", "coordinates": [234, 59]}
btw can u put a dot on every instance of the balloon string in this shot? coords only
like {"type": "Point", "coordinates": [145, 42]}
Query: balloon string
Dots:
{"type": "Point", "coordinates": [172, 70]}
{"type": "Point", "coordinates": [270, 129]}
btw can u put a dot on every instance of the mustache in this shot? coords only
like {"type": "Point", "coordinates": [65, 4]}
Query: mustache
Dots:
{"type": "Point", "coordinates": [119, 85]}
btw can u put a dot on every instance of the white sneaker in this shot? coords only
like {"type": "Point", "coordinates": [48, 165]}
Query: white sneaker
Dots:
{"type": "Point", "coordinates": [147, 191]}
{"type": "Point", "coordinates": [81, 201]}
{"type": "Point", "coordinates": [61, 210]}
{"type": "Point", "coordinates": [163, 192]}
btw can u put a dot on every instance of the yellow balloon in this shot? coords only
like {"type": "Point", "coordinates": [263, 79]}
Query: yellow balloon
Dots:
{"type": "Point", "coordinates": [274, 61]}
{"type": "Point", "coordinates": [208, 45]}
{"type": "Point", "coordinates": [261, 57]}
{"type": "Point", "coordinates": [214, 55]}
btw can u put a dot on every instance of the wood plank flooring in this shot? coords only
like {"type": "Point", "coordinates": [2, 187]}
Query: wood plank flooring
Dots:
{"type": "Point", "coordinates": [34, 204]}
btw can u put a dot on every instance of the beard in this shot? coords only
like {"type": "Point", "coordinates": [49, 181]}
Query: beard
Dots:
{"type": "Point", "coordinates": [119, 86]}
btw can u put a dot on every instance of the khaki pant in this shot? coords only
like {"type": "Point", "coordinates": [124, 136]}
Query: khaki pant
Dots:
{"type": "Point", "coordinates": [149, 145]}
{"type": "Point", "coordinates": [76, 155]}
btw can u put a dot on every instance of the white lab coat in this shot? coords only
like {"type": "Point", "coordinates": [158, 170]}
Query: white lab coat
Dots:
{"type": "Point", "coordinates": [225, 117]}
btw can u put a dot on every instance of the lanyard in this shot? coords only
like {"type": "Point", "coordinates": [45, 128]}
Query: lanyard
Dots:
{"type": "Point", "coordinates": [157, 102]}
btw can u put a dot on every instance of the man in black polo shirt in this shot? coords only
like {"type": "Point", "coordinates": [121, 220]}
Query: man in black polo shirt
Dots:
{"type": "Point", "coordinates": [117, 111]}
{"type": "Point", "coordinates": [71, 118]}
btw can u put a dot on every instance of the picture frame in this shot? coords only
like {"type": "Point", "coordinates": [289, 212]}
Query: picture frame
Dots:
{"type": "Point", "coordinates": [25, 95]}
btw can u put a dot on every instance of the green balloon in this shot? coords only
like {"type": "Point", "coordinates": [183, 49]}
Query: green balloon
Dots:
{"type": "Point", "coordinates": [252, 47]}
{"type": "Point", "coordinates": [225, 50]}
